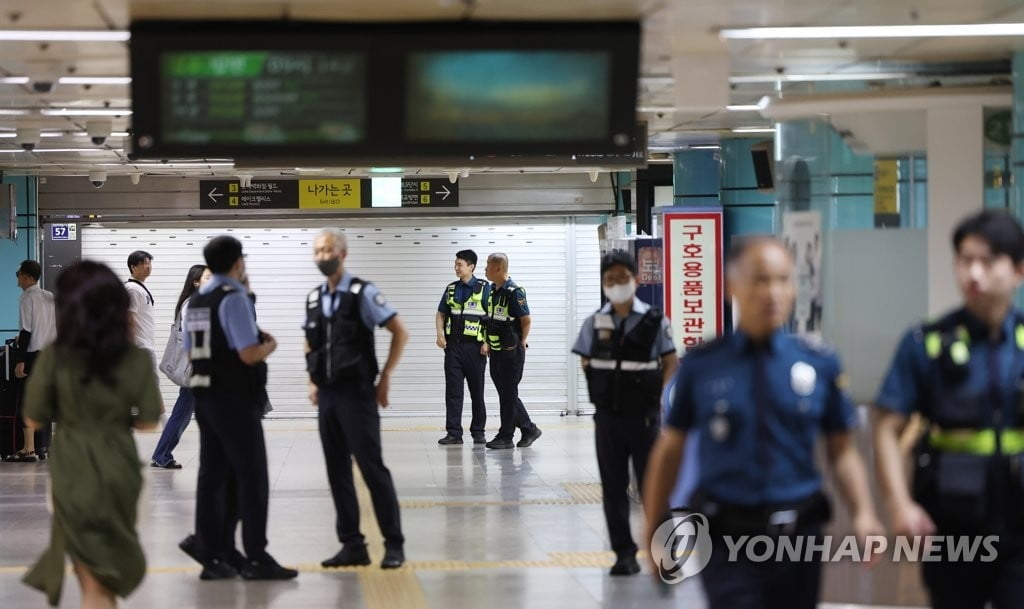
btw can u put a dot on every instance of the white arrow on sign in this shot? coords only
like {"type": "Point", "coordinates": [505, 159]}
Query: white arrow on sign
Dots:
{"type": "Point", "coordinates": [213, 194]}
{"type": "Point", "coordinates": [444, 191]}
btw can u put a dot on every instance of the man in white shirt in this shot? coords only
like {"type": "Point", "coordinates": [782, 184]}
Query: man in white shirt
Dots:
{"type": "Point", "coordinates": [140, 300]}
{"type": "Point", "coordinates": [37, 328]}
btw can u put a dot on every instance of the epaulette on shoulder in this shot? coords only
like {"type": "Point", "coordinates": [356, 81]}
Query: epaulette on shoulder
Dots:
{"type": "Point", "coordinates": [815, 343]}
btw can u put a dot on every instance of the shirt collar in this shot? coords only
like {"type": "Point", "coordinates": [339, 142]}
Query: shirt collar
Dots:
{"type": "Point", "coordinates": [34, 286]}
{"type": "Point", "coordinates": [343, 285]}
{"type": "Point", "coordinates": [743, 343]}
{"type": "Point", "coordinates": [470, 283]}
{"type": "Point", "coordinates": [639, 307]}
{"type": "Point", "coordinates": [219, 280]}
{"type": "Point", "coordinates": [979, 331]}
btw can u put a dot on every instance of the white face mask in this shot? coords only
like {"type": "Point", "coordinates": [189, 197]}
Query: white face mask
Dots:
{"type": "Point", "coordinates": [620, 294]}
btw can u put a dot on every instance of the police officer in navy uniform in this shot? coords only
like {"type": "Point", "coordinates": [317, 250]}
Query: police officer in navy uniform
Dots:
{"type": "Point", "coordinates": [460, 332]}
{"type": "Point", "coordinates": [963, 373]}
{"type": "Point", "coordinates": [508, 325]}
{"type": "Point", "coordinates": [227, 351]}
{"type": "Point", "coordinates": [758, 399]}
{"type": "Point", "coordinates": [627, 354]}
{"type": "Point", "coordinates": [341, 316]}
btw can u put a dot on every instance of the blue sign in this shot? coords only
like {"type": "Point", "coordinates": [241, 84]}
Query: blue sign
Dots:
{"type": "Point", "coordinates": [63, 232]}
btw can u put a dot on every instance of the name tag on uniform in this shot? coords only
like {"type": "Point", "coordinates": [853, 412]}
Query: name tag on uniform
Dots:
{"type": "Point", "coordinates": [197, 319]}
{"type": "Point", "coordinates": [500, 313]}
{"type": "Point", "coordinates": [472, 304]}
{"type": "Point", "coordinates": [605, 325]}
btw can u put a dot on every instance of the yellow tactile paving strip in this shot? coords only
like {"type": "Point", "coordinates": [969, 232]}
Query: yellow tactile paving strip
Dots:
{"type": "Point", "coordinates": [584, 492]}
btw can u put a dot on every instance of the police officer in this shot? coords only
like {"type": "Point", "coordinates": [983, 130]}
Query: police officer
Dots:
{"type": "Point", "coordinates": [627, 354]}
{"type": "Point", "coordinates": [508, 325]}
{"type": "Point", "coordinates": [963, 373]}
{"type": "Point", "coordinates": [758, 399]}
{"type": "Point", "coordinates": [341, 316]}
{"type": "Point", "coordinates": [226, 351]}
{"type": "Point", "coordinates": [460, 332]}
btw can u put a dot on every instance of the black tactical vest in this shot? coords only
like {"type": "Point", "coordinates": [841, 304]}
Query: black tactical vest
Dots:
{"type": "Point", "coordinates": [341, 346]}
{"type": "Point", "coordinates": [216, 367]}
{"type": "Point", "coordinates": [621, 376]}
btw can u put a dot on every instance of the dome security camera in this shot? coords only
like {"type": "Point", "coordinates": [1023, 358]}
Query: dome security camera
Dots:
{"type": "Point", "coordinates": [97, 178]}
{"type": "Point", "coordinates": [26, 138]}
{"type": "Point", "coordinates": [43, 86]}
{"type": "Point", "coordinates": [98, 131]}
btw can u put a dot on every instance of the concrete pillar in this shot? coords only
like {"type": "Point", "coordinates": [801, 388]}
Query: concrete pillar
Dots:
{"type": "Point", "coordinates": [955, 189]}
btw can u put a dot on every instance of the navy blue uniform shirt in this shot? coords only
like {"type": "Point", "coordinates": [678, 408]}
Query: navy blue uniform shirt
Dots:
{"type": "Point", "coordinates": [757, 411]}
{"type": "Point", "coordinates": [517, 306]}
{"type": "Point", "coordinates": [374, 309]}
{"type": "Point", "coordinates": [463, 290]}
{"type": "Point", "coordinates": [912, 373]}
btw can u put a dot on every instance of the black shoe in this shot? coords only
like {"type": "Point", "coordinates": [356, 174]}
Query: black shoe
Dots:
{"type": "Point", "coordinates": [349, 556]}
{"type": "Point", "coordinates": [216, 568]}
{"type": "Point", "coordinates": [529, 437]}
{"type": "Point", "coordinates": [449, 440]}
{"type": "Point", "coordinates": [267, 568]}
{"type": "Point", "coordinates": [172, 464]}
{"type": "Point", "coordinates": [237, 560]}
{"type": "Point", "coordinates": [479, 439]}
{"type": "Point", "coordinates": [500, 443]}
{"type": "Point", "coordinates": [393, 558]}
{"type": "Point", "coordinates": [190, 546]}
{"type": "Point", "coordinates": [625, 565]}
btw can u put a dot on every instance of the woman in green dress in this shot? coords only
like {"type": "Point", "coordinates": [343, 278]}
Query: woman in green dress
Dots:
{"type": "Point", "coordinates": [97, 385]}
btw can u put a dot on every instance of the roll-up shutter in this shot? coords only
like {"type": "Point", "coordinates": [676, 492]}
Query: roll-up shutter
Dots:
{"type": "Point", "coordinates": [411, 260]}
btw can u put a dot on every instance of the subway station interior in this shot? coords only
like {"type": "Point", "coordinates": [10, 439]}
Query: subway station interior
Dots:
{"type": "Point", "coordinates": [860, 132]}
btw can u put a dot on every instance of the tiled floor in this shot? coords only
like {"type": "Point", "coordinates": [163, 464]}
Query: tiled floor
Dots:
{"type": "Point", "coordinates": [484, 528]}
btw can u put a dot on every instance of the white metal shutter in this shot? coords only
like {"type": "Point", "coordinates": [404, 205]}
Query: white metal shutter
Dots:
{"type": "Point", "coordinates": [587, 281]}
{"type": "Point", "coordinates": [411, 260]}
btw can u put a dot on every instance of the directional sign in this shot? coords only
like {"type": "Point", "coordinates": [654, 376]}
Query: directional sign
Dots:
{"type": "Point", "coordinates": [433, 192]}
{"type": "Point", "coordinates": [261, 194]}
{"type": "Point", "coordinates": [63, 232]}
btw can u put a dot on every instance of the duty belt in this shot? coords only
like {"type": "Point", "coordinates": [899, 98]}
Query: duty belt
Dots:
{"type": "Point", "coordinates": [977, 441]}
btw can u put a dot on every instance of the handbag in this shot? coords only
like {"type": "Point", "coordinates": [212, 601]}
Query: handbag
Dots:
{"type": "Point", "coordinates": [175, 363]}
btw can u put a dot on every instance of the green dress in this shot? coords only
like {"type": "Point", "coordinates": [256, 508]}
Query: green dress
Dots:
{"type": "Point", "coordinates": [95, 472]}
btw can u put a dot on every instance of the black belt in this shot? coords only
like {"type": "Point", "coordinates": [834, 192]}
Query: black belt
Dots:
{"type": "Point", "coordinates": [768, 519]}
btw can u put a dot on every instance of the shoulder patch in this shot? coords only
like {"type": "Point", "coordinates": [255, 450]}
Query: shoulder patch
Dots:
{"type": "Point", "coordinates": [379, 300]}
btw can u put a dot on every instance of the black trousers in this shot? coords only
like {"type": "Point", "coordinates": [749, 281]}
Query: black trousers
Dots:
{"type": "Point", "coordinates": [973, 584]}
{"type": "Point", "coordinates": [621, 438]}
{"type": "Point", "coordinates": [463, 365]}
{"type": "Point", "coordinates": [744, 584]}
{"type": "Point", "coordinates": [507, 372]}
{"type": "Point", "coordinates": [350, 427]}
{"type": "Point", "coordinates": [42, 436]}
{"type": "Point", "coordinates": [232, 453]}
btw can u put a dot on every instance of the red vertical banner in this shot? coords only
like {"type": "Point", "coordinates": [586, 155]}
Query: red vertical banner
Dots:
{"type": "Point", "coordinates": [694, 271]}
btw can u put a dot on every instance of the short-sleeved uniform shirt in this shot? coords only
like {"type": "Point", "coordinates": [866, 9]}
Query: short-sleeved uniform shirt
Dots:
{"type": "Point", "coordinates": [37, 315]}
{"type": "Point", "coordinates": [142, 307]}
{"type": "Point", "coordinates": [236, 314]}
{"type": "Point", "coordinates": [463, 290]}
{"type": "Point", "coordinates": [912, 374]}
{"type": "Point", "coordinates": [374, 309]}
{"type": "Point", "coordinates": [584, 345]}
{"type": "Point", "coordinates": [758, 410]}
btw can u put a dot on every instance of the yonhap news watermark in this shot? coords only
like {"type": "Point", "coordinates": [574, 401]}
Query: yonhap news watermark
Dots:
{"type": "Point", "coordinates": [682, 547]}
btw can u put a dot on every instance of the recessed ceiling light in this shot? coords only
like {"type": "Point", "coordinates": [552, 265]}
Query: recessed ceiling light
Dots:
{"type": "Point", "coordinates": [13, 112]}
{"type": "Point", "coordinates": [875, 31]}
{"type": "Point", "coordinates": [14, 80]}
{"type": "Point", "coordinates": [85, 112]}
{"type": "Point", "coordinates": [94, 80]}
{"type": "Point", "coordinates": [754, 130]}
{"type": "Point", "coordinates": [743, 107]}
{"type": "Point", "coordinates": [65, 35]}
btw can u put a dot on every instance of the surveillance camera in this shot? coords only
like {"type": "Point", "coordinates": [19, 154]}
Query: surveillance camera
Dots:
{"type": "Point", "coordinates": [98, 131]}
{"type": "Point", "coordinates": [97, 178]}
{"type": "Point", "coordinates": [26, 138]}
{"type": "Point", "coordinates": [43, 86]}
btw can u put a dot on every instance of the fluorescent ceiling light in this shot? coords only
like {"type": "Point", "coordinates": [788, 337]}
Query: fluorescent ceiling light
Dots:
{"type": "Point", "coordinates": [85, 112]}
{"type": "Point", "coordinates": [13, 112]}
{"type": "Point", "coordinates": [385, 170]}
{"type": "Point", "coordinates": [14, 80]}
{"type": "Point", "coordinates": [94, 80]}
{"type": "Point", "coordinates": [644, 109]}
{"type": "Point", "coordinates": [70, 150]}
{"type": "Point", "coordinates": [743, 107]}
{"type": "Point", "coordinates": [874, 31]}
{"type": "Point", "coordinates": [8, 134]}
{"type": "Point", "coordinates": [156, 166]}
{"type": "Point", "coordinates": [705, 147]}
{"type": "Point", "coordinates": [65, 35]}
{"type": "Point", "coordinates": [763, 78]}
{"type": "Point", "coordinates": [754, 130]}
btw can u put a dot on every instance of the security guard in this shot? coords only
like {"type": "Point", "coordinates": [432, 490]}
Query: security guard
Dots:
{"type": "Point", "coordinates": [460, 332]}
{"type": "Point", "coordinates": [963, 374]}
{"type": "Point", "coordinates": [226, 350]}
{"type": "Point", "coordinates": [757, 400]}
{"type": "Point", "coordinates": [341, 316]}
{"type": "Point", "coordinates": [628, 355]}
{"type": "Point", "coordinates": [508, 325]}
